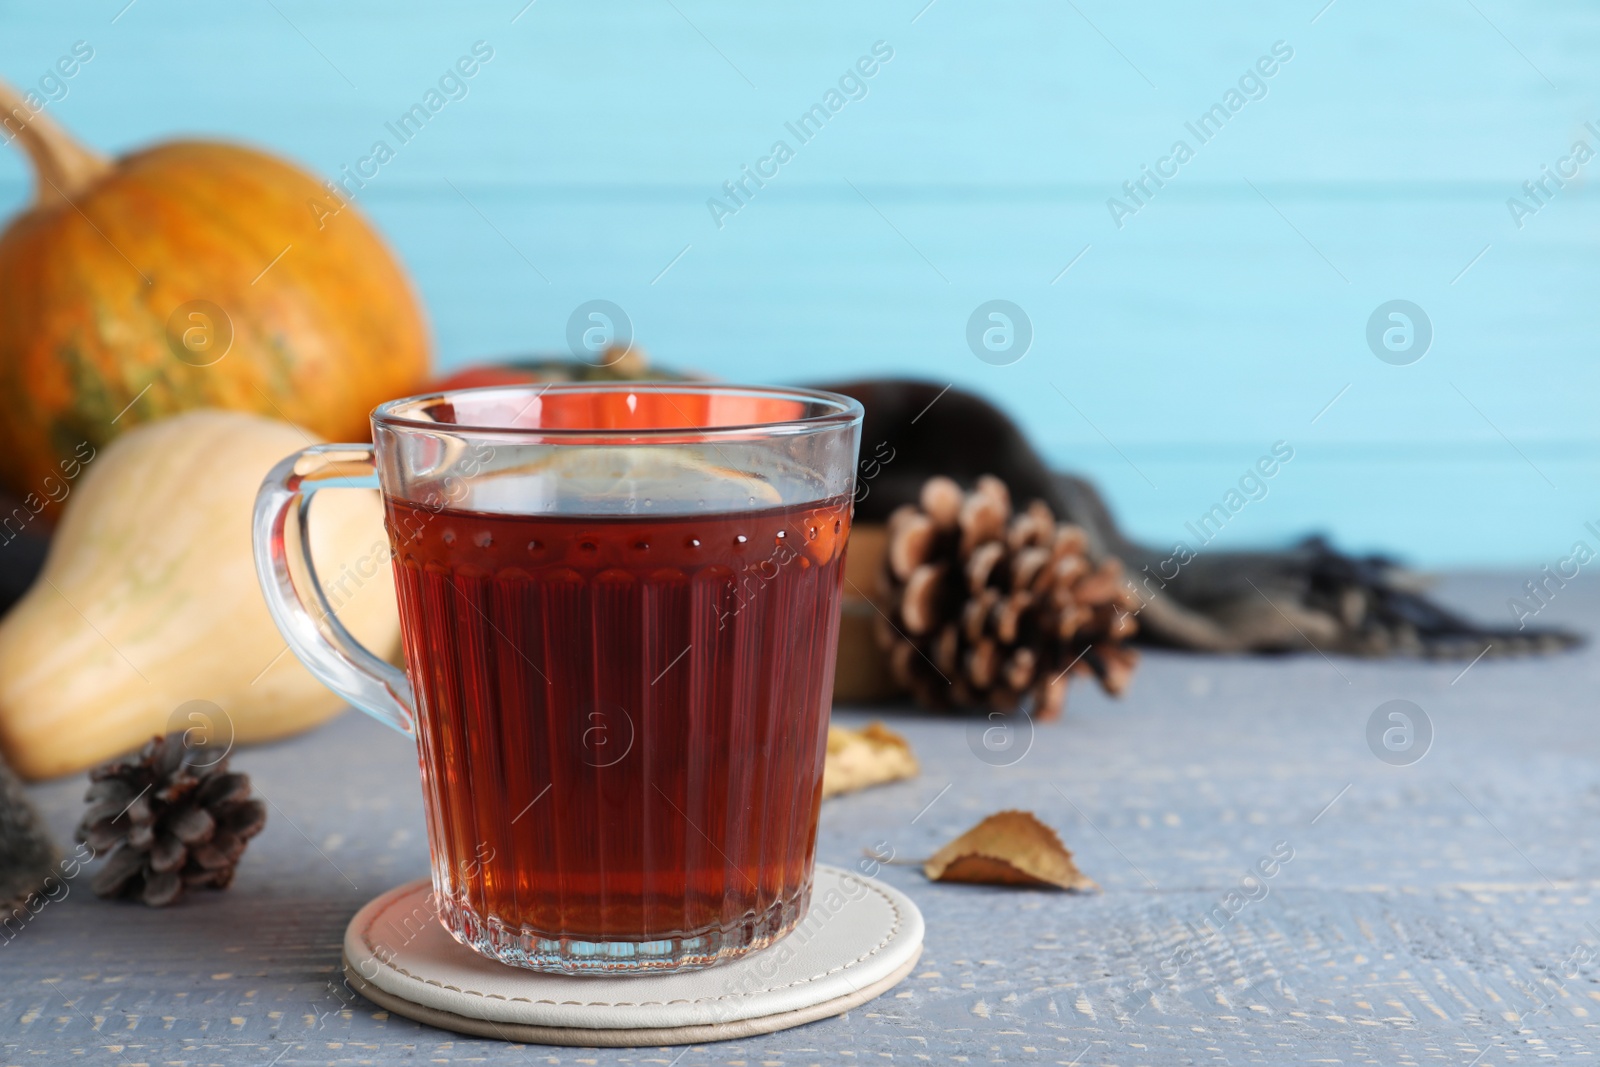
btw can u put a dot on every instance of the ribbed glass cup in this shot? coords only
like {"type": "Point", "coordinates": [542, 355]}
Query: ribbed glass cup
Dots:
{"type": "Point", "coordinates": [620, 609]}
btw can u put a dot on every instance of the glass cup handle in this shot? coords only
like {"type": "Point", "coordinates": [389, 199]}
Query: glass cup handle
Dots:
{"type": "Point", "coordinates": [298, 603]}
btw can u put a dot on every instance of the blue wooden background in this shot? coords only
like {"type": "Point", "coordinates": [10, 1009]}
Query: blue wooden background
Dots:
{"type": "Point", "coordinates": [1224, 316]}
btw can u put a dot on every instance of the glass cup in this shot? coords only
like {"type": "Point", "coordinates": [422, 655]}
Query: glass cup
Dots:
{"type": "Point", "coordinates": [620, 606]}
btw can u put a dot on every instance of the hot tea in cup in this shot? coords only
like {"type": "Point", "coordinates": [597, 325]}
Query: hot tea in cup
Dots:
{"type": "Point", "coordinates": [620, 605]}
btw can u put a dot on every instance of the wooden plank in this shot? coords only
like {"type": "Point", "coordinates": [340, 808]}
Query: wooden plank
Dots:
{"type": "Point", "coordinates": [1428, 913]}
{"type": "Point", "coordinates": [1225, 314]}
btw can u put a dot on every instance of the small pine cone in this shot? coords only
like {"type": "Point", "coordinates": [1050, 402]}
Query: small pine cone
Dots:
{"type": "Point", "coordinates": [27, 855]}
{"type": "Point", "coordinates": [166, 820]}
{"type": "Point", "coordinates": [986, 607]}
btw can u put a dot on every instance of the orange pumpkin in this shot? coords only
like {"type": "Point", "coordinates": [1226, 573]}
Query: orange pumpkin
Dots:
{"type": "Point", "coordinates": [190, 274]}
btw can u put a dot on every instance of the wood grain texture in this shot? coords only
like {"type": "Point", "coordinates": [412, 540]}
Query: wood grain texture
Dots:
{"type": "Point", "coordinates": [1430, 913]}
{"type": "Point", "coordinates": [1225, 315]}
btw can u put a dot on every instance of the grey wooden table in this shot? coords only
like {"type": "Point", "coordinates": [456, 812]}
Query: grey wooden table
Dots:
{"type": "Point", "coordinates": [1442, 912]}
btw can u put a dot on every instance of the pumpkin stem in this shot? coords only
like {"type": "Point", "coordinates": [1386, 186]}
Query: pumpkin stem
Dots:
{"type": "Point", "coordinates": [63, 166]}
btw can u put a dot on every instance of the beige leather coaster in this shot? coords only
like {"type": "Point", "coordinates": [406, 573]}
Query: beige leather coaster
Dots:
{"type": "Point", "coordinates": [859, 939]}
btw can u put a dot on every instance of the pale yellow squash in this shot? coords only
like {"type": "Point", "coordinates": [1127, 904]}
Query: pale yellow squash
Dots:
{"type": "Point", "coordinates": [148, 599]}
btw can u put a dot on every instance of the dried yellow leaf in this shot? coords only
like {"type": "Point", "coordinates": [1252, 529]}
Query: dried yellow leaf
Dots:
{"type": "Point", "coordinates": [866, 757]}
{"type": "Point", "coordinates": [1008, 848]}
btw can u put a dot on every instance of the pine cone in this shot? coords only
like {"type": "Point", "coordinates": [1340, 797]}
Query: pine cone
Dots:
{"type": "Point", "coordinates": [987, 607]}
{"type": "Point", "coordinates": [27, 855]}
{"type": "Point", "coordinates": [169, 820]}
